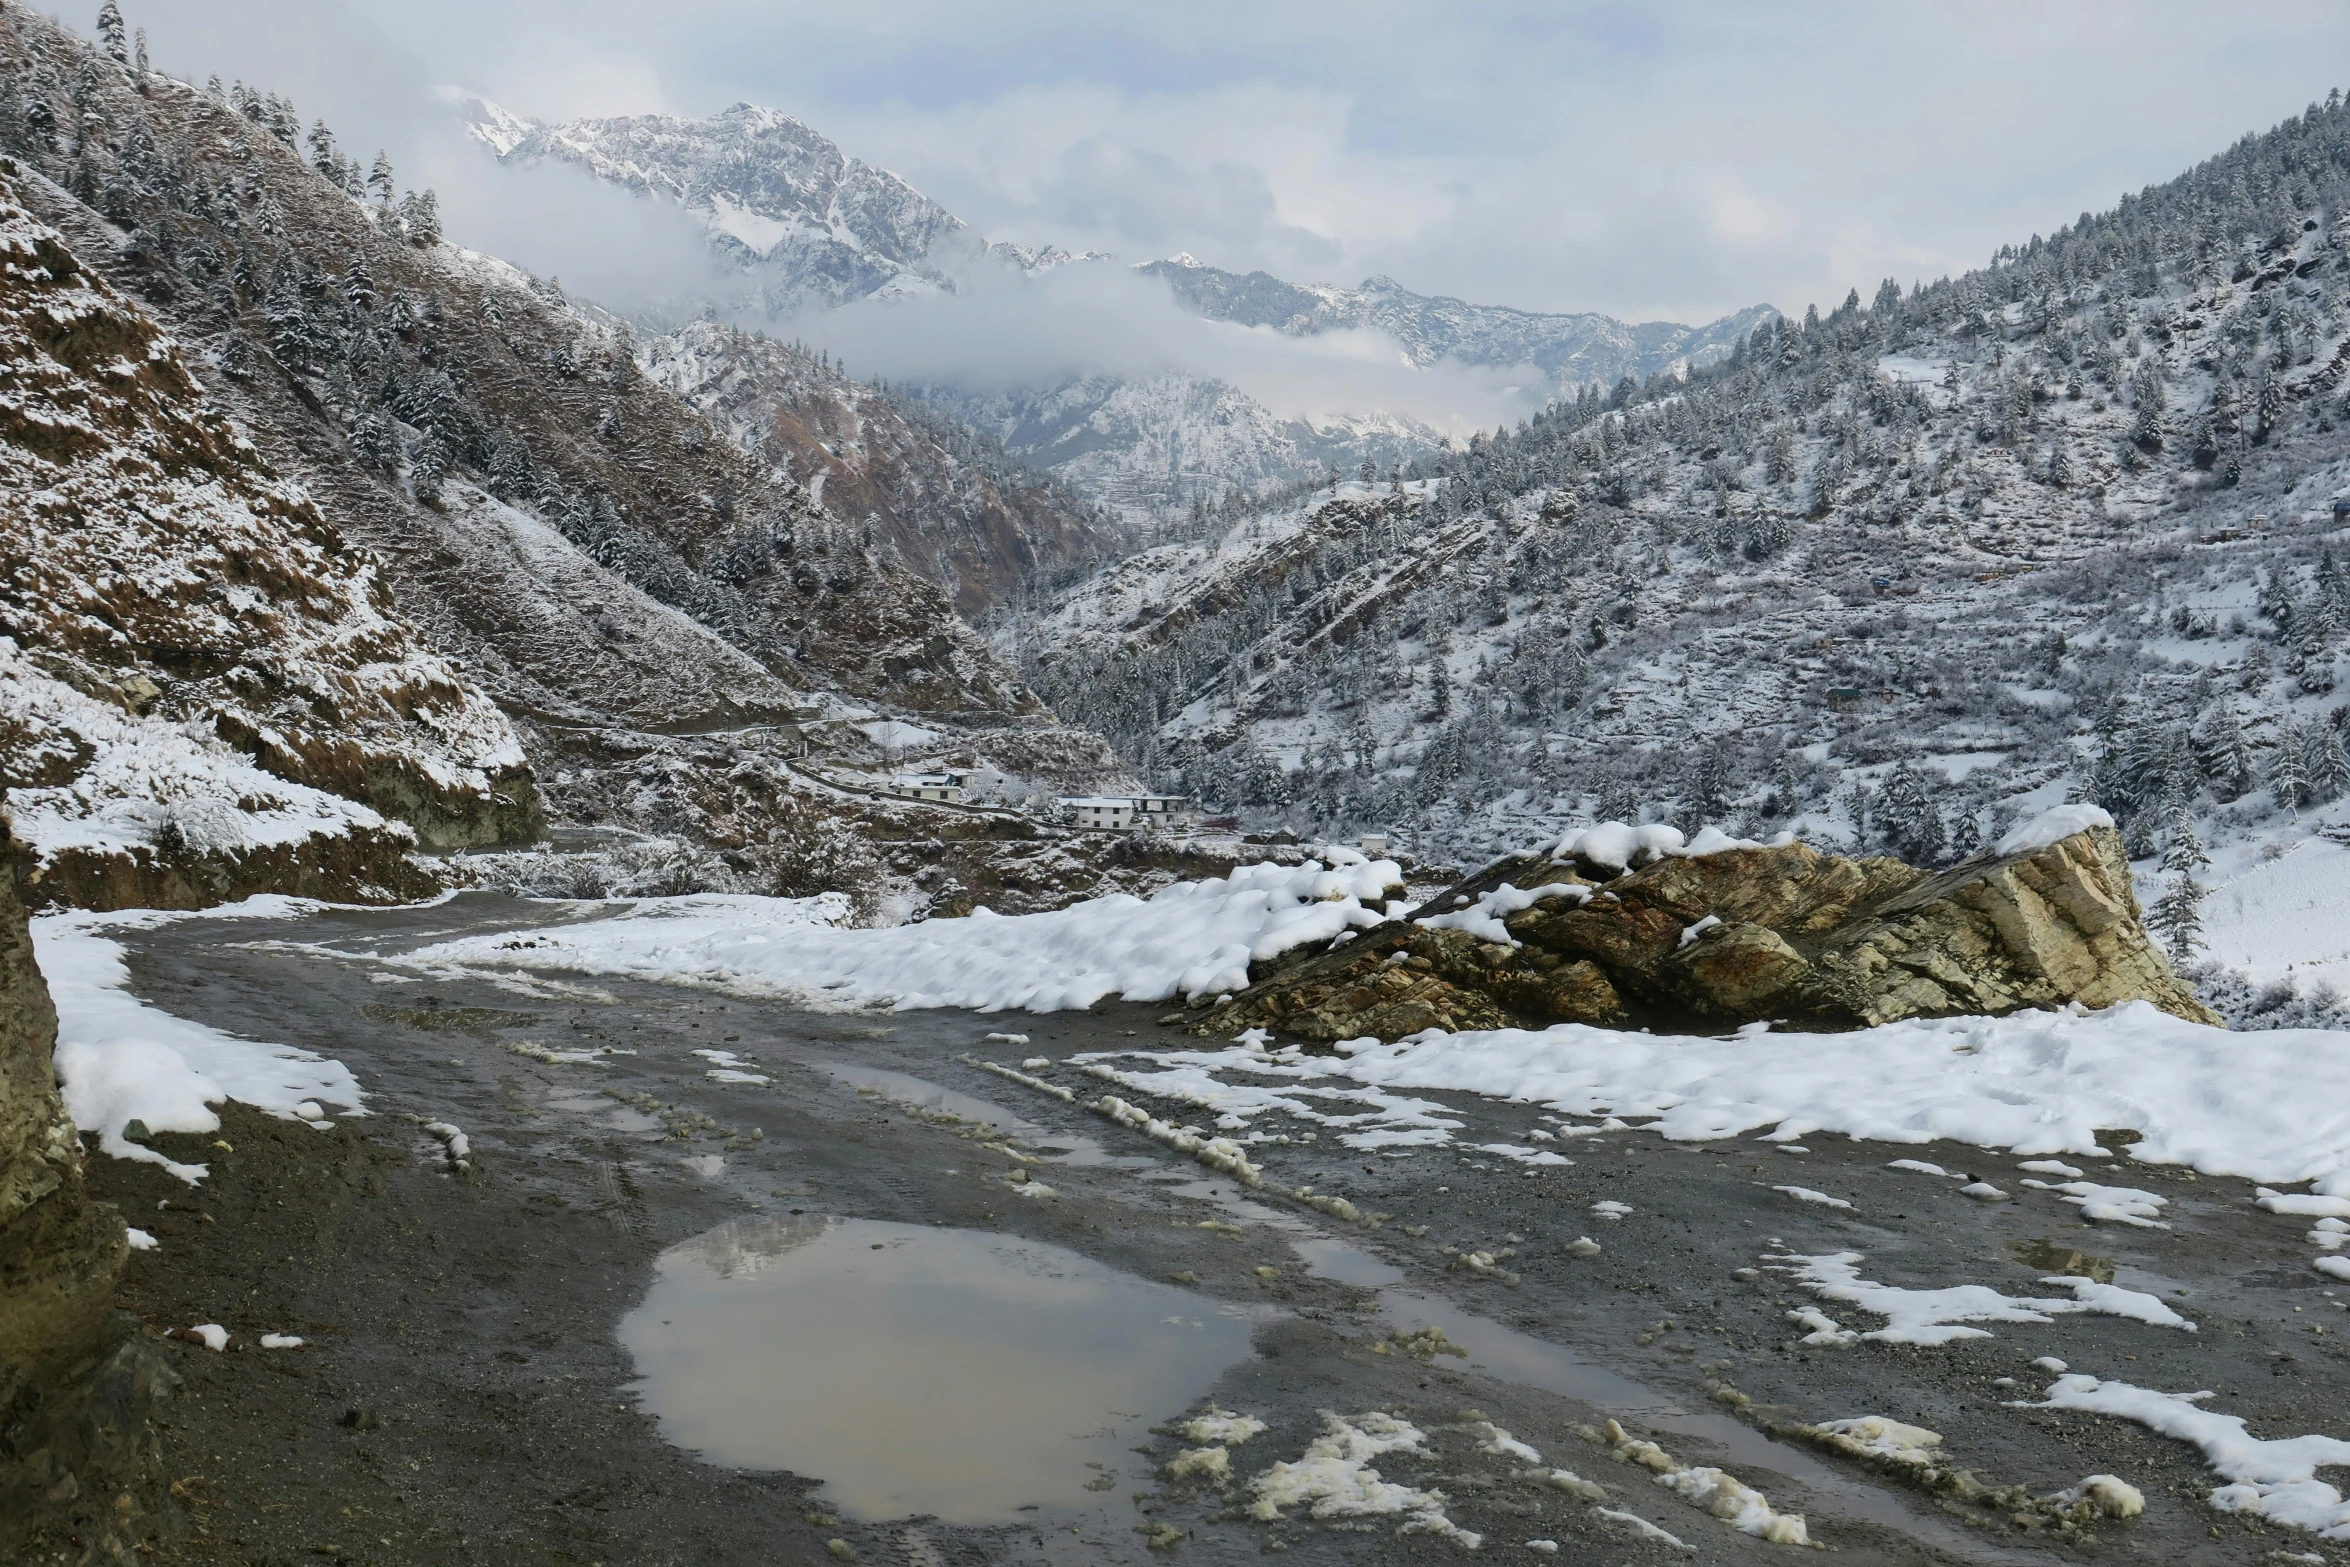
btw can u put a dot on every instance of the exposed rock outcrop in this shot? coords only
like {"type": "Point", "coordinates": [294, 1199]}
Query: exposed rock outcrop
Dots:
{"type": "Point", "coordinates": [77, 1455]}
{"type": "Point", "coordinates": [1743, 934]}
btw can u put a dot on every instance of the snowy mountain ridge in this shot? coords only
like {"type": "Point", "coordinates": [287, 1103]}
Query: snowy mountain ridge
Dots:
{"type": "Point", "coordinates": [809, 229]}
{"type": "Point", "coordinates": [1572, 350]}
{"type": "Point", "coordinates": [808, 226]}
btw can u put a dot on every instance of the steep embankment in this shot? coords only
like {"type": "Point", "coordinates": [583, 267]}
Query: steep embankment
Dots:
{"type": "Point", "coordinates": [203, 690]}
{"type": "Point", "coordinates": [82, 1473]}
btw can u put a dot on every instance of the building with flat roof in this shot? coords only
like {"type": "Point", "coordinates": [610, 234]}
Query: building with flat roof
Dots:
{"type": "Point", "coordinates": [947, 787]}
{"type": "Point", "coordinates": [1117, 812]}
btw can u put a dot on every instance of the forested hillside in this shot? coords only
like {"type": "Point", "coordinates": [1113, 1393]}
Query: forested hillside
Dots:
{"type": "Point", "coordinates": [1891, 575]}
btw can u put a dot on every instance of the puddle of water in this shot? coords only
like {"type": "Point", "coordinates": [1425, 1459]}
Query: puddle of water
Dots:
{"type": "Point", "coordinates": [919, 1371]}
{"type": "Point", "coordinates": [914, 1091]}
{"type": "Point", "coordinates": [1065, 1147]}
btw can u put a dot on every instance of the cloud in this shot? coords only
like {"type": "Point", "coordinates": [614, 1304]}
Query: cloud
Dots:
{"type": "Point", "coordinates": [1675, 159]}
{"type": "Point", "coordinates": [604, 244]}
{"type": "Point", "coordinates": [1102, 318]}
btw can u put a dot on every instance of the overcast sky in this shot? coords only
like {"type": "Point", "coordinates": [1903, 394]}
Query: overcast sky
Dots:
{"type": "Point", "coordinates": [1675, 159]}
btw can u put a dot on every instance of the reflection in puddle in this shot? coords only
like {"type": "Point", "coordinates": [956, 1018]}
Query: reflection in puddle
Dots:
{"type": "Point", "coordinates": [910, 1090]}
{"type": "Point", "coordinates": [1064, 1147]}
{"type": "Point", "coordinates": [917, 1370]}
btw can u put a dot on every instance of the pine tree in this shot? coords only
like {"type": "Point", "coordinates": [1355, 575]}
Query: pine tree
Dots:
{"type": "Point", "coordinates": [111, 35]}
{"type": "Point", "coordinates": [2288, 773]}
{"type": "Point", "coordinates": [430, 470]}
{"type": "Point", "coordinates": [2329, 768]}
{"type": "Point", "coordinates": [1907, 818]}
{"type": "Point", "coordinates": [2177, 917]}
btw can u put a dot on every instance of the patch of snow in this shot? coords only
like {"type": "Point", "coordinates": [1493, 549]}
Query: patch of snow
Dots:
{"type": "Point", "coordinates": [1645, 1529]}
{"type": "Point", "coordinates": [1222, 1426]}
{"type": "Point", "coordinates": [1192, 939]}
{"type": "Point", "coordinates": [212, 1335]}
{"type": "Point", "coordinates": [2276, 1480]}
{"type": "Point", "coordinates": [2110, 1204]}
{"type": "Point", "coordinates": [1483, 919]}
{"type": "Point", "coordinates": [2259, 1105]}
{"type": "Point", "coordinates": [281, 1341]}
{"type": "Point", "coordinates": [141, 1241]}
{"type": "Point", "coordinates": [1806, 1194]}
{"type": "Point", "coordinates": [1333, 1478]}
{"type": "Point", "coordinates": [1920, 1166]}
{"type": "Point", "coordinates": [120, 1060]}
{"type": "Point", "coordinates": [1937, 1316]}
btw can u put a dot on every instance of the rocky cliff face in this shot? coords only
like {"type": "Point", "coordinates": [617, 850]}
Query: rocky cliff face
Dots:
{"type": "Point", "coordinates": [1715, 940]}
{"type": "Point", "coordinates": [203, 688]}
{"type": "Point", "coordinates": [77, 1458]}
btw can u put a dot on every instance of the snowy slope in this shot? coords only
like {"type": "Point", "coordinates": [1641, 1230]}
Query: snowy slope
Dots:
{"type": "Point", "coordinates": [951, 502]}
{"type": "Point", "coordinates": [200, 683]}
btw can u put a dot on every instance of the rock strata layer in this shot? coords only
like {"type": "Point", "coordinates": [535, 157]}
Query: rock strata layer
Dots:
{"type": "Point", "coordinates": [1709, 941]}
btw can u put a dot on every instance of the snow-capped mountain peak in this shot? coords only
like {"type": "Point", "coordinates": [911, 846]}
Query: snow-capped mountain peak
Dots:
{"type": "Point", "coordinates": [809, 224]}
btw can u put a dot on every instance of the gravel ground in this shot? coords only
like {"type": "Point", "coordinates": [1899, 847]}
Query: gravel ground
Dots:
{"type": "Point", "coordinates": [462, 1396]}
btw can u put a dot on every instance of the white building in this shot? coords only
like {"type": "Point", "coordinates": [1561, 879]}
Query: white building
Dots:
{"type": "Point", "coordinates": [930, 786]}
{"type": "Point", "coordinates": [1117, 812]}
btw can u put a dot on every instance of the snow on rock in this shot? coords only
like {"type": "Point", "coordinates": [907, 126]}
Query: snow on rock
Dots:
{"type": "Point", "coordinates": [2272, 1479]}
{"type": "Point", "coordinates": [2051, 827]}
{"type": "Point", "coordinates": [1937, 1316]}
{"type": "Point", "coordinates": [120, 1060]}
{"type": "Point", "coordinates": [1191, 939]}
{"type": "Point", "coordinates": [1483, 918]}
{"type": "Point", "coordinates": [1618, 846]}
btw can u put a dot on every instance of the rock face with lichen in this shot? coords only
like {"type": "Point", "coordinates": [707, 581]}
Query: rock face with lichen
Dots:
{"type": "Point", "coordinates": [78, 1460]}
{"type": "Point", "coordinates": [1745, 934]}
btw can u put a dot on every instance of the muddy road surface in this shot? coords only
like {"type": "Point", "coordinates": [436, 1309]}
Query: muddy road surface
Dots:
{"type": "Point", "coordinates": [623, 1273]}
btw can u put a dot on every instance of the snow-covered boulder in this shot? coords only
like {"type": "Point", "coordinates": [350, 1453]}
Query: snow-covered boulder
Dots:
{"type": "Point", "coordinates": [1721, 933]}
